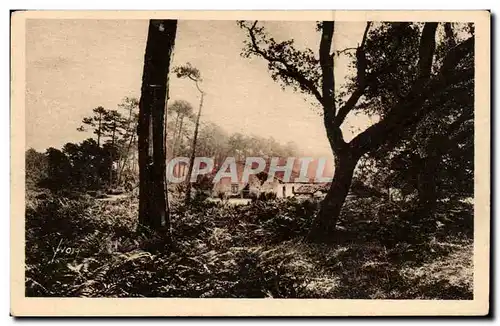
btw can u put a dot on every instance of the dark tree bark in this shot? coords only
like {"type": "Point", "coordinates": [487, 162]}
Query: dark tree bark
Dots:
{"type": "Point", "coordinates": [348, 154]}
{"type": "Point", "coordinates": [437, 147]}
{"type": "Point", "coordinates": [153, 199]}
{"type": "Point", "coordinates": [326, 220]}
{"type": "Point", "coordinates": [427, 194]}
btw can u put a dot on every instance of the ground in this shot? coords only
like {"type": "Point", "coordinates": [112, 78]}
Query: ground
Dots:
{"type": "Point", "coordinates": [86, 247]}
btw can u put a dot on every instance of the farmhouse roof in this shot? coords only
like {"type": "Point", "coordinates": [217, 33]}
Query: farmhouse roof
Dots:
{"type": "Point", "coordinates": [312, 188]}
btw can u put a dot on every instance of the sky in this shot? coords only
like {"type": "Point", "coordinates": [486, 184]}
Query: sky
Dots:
{"type": "Point", "coordinates": [74, 66]}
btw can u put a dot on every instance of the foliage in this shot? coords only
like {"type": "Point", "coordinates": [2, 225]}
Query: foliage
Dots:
{"type": "Point", "coordinates": [188, 71]}
{"type": "Point", "coordinates": [251, 251]}
{"type": "Point", "coordinates": [400, 71]}
{"type": "Point", "coordinates": [118, 129]}
{"type": "Point", "coordinates": [91, 164]}
{"type": "Point", "coordinates": [36, 168]}
{"type": "Point", "coordinates": [182, 110]}
{"type": "Point", "coordinates": [78, 166]}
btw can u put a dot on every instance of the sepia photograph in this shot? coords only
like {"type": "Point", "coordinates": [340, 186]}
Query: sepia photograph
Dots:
{"type": "Point", "coordinates": [295, 159]}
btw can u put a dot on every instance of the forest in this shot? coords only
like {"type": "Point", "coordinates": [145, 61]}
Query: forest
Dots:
{"type": "Point", "coordinates": [395, 222]}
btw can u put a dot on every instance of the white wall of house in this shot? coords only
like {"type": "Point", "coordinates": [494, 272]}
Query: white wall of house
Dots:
{"type": "Point", "coordinates": [282, 190]}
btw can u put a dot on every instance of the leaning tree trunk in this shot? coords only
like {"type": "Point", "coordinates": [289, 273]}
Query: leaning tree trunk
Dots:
{"type": "Point", "coordinates": [193, 154]}
{"type": "Point", "coordinates": [324, 224]}
{"type": "Point", "coordinates": [153, 200]}
{"type": "Point", "coordinates": [174, 136]}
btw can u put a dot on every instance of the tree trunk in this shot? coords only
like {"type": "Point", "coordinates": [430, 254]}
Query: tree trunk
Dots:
{"type": "Point", "coordinates": [122, 160]}
{"type": "Point", "coordinates": [99, 131]}
{"type": "Point", "coordinates": [126, 159]}
{"type": "Point", "coordinates": [427, 188]}
{"type": "Point", "coordinates": [99, 146]}
{"type": "Point", "coordinates": [174, 136]}
{"type": "Point", "coordinates": [324, 224]}
{"type": "Point", "coordinates": [179, 133]}
{"type": "Point", "coordinates": [193, 154]}
{"type": "Point", "coordinates": [153, 202]}
{"type": "Point", "coordinates": [111, 156]}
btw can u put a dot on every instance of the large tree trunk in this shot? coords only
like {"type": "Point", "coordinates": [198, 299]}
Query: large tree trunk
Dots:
{"type": "Point", "coordinates": [427, 194]}
{"type": "Point", "coordinates": [324, 224]}
{"type": "Point", "coordinates": [153, 200]}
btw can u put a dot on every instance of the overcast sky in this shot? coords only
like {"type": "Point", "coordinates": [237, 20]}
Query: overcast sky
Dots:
{"type": "Point", "coordinates": [74, 66]}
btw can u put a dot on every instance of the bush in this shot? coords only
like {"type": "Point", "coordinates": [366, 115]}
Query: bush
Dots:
{"type": "Point", "coordinates": [219, 250]}
{"type": "Point", "coordinates": [267, 196]}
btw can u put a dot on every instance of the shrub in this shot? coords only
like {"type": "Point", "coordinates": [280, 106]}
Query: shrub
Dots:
{"type": "Point", "coordinates": [220, 250]}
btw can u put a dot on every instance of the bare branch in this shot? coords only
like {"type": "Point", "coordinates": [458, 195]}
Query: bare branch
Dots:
{"type": "Point", "coordinates": [345, 50]}
{"type": "Point", "coordinates": [361, 64]}
{"type": "Point", "coordinates": [349, 105]}
{"type": "Point", "coordinates": [288, 69]}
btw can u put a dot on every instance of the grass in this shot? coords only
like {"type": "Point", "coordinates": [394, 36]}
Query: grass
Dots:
{"type": "Point", "coordinates": [252, 251]}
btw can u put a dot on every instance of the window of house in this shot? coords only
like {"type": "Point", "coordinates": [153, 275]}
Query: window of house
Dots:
{"type": "Point", "coordinates": [234, 188]}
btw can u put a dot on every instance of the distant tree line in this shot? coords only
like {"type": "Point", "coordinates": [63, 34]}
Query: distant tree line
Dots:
{"type": "Point", "coordinates": [109, 159]}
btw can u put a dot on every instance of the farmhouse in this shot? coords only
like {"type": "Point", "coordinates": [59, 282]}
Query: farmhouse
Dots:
{"type": "Point", "coordinates": [260, 185]}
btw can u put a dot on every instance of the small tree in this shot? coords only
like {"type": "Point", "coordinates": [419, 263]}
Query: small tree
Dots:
{"type": "Point", "coordinates": [115, 124]}
{"type": "Point", "coordinates": [131, 105]}
{"type": "Point", "coordinates": [182, 109]}
{"type": "Point", "coordinates": [96, 122]}
{"type": "Point", "coordinates": [190, 72]}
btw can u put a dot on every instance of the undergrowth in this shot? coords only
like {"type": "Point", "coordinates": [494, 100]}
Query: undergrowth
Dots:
{"type": "Point", "coordinates": [86, 247]}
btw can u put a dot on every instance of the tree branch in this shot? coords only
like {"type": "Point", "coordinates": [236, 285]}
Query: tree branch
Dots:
{"type": "Point", "coordinates": [326, 62]}
{"type": "Point", "coordinates": [333, 132]}
{"type": "Point", "coordinates": [456, 54]}
{"type": "Point", "coordinates": [426, 50]}
{"type": "Point", "coordinates": [365, 34]}
{"type": "Point", "coordinates": [344, 50]}
{"type": "Point", "coordinates": [361, 64]}
{"type": "Point", "coordinates": [450, 35]}
{"type": "Point", "coordinates": [406, 110]}
{"type": "Point", "coordinates": [289, 70]}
